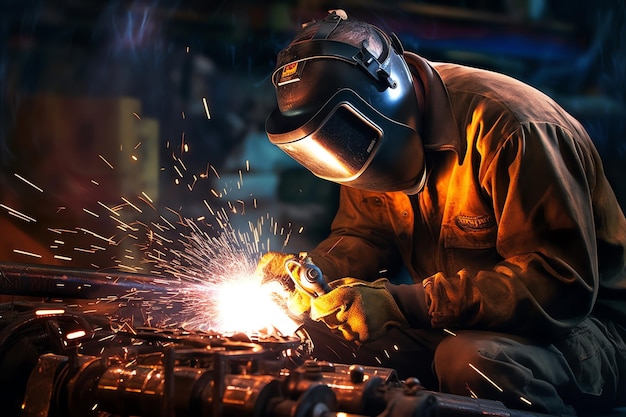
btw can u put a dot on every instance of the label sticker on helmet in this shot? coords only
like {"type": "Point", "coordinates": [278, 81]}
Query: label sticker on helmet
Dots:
{"type": "Point", "coordinates": [291, 73]}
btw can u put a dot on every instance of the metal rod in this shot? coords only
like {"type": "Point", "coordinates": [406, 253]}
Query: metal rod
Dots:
{"type": "Point", "coordinates": [51, 281]}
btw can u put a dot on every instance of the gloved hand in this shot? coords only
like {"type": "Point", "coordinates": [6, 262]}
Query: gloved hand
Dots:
{"type": "Point", "coordinates": [362, 311]}
{"type": "Point", "coordinates": [271, 267]}
{"type": "Point", "coordinates": [299, 302]}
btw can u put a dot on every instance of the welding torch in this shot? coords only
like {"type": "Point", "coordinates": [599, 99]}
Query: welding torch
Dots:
{"type": "Point", "coordinates": [307, 276]}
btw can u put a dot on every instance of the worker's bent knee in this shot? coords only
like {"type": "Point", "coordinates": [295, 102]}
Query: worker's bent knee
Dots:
{"type": "Point", "coordinates": [481, 363]}
{"type": "Point", "coordinates": [458, 360]}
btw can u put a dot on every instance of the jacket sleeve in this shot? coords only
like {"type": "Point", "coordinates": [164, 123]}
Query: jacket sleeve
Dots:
{"type": "Point", "coordinates": [360, 244]}
{"type": "Point", "coordinates": [540, 182]}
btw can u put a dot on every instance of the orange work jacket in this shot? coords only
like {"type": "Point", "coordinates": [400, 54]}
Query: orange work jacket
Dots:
{"type": "Point", "coordinates": [516, 229]}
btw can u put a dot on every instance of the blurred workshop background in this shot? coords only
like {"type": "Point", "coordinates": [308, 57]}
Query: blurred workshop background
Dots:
{"type": "Point", "coordinates": [126, 122]}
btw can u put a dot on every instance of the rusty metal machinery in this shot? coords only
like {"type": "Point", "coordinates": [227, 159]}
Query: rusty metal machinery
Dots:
{"type": "Point", "coordinates": [57, 361]}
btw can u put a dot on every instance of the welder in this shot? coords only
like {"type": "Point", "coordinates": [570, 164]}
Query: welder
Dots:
{"type": "Point", "coordinates": [486, 191]}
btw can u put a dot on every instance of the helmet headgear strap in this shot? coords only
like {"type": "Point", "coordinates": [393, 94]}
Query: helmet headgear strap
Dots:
{"type": "Point", "coordinates": [327, 26]}
{"type": "Point", "coordinates": [363, 57]}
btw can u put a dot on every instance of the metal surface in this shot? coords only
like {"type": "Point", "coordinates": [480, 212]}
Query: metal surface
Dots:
{"type": "Point", "coordinates": [150, 374]}
{"type": "Point", "coordinates": [307, 276]}
{"type": "Point", "coordinates": [57, 361]}
{"type": "Point", "coordinates": [58, 282]}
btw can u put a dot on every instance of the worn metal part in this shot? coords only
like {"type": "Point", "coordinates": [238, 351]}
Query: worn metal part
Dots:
{"type": "Point", "coordinates": [58, 361]}
{"type": "Point", "coordinates": [57, 282]}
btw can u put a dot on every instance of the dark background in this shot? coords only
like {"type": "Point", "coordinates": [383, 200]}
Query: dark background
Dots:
{"type": "Point", "coordinates": [102, 108]}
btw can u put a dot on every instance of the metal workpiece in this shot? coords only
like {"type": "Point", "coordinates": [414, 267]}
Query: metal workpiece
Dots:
{"type": "Point", "coordinates": [53, 281]}
{"type": "Point", "coordinates": [60, 361]}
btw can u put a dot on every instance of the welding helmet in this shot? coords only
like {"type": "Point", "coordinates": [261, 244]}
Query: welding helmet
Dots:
{"type": "Point", "coordinates": [346, 115]}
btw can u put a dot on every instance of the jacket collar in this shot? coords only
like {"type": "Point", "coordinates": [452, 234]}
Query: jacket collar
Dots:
{"type": "Point", "coordinates": [439, 127]}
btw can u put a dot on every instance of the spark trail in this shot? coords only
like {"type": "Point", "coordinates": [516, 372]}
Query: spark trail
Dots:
{"type": "Point", "coordinates": [206, 265]}
{"type": "Point", "coordinates": [218, 288]}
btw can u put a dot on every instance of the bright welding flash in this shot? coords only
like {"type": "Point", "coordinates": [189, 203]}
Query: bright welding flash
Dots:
{"type": "Point", "coordinates": [247, 305]}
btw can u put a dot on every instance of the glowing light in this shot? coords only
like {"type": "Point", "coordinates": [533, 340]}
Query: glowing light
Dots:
{"type": "Point", "coordinates": [147, 197]}
{"type": "Point", "coordinates": [208, 275]}
{"type": "Point", "coordinates": [246, 305]}
{"type": "Point", "coordinates": [132, 205]}
{"type": "Point", "coordinates": [29, 183]}
{"type": "Point", "coordinates": [23, 252]}
{"type": "Point", "coordinates": [108, 208]}
{"type": "Point", "coordinates": [190, 186]}
{"type": "Point", "coordinates": [91, 213]}
{"type": "Point", "coordinates": [216, 284]}
{"type": "Point", "coordinates": [75, 335]}
{"type": "Point", "coordinates": [49, 312]}
{"type": "Point", "coordinates": [525, 400]}
{"type": "Point", "coordinates": [84, 250]}
{"type": "Point", "coordinates": [123, 225]}
{"type": "Point", "coordinates": [94, 234]}
{"type": "Point", "coordinates": [214, 171]}
{"type": "Point", "coordinates": [206, 108]}
{"type": "Point", "coordinates": [18, 214]}
{"type": "Point", "coordinates": [106, 162]}
{"type": "Point", "coordinates": [449, 332]}
{"type": "Point", "coordinates": [486, 377]}
{"type": "Point", "coordinates": [323, 154]}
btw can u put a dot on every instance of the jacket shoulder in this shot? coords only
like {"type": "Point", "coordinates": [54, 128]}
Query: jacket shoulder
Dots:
{"type": "Point", "coordinates": [507, 96]}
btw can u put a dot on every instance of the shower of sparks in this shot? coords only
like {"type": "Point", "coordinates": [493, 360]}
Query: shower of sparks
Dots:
{"type": "Point", "coordinates": [18, 214]}
{"type": "Point", "coordinates": [203, 266]}
{"type": "Point", "coordinates": [216, 285]}
{"type": "Point", "coordinates": [94, 234]}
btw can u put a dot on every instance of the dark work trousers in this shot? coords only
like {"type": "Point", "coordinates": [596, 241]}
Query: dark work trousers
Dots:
{"type": "Point", "coordinates": [581, 374]}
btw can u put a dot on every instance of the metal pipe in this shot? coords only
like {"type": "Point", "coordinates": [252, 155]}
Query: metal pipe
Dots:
{"type": "Point", "coordinates": [58, 282]}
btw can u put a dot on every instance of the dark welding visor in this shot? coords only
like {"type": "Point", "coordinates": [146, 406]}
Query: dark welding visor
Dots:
{"type": "Point", "coordinates": [339, 141]}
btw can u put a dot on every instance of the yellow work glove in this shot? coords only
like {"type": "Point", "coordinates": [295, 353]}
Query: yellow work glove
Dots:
{"type": "Point", "coordinates": [362, 311]}
{"type": "Point", "coordinates": [271, 267]}
{"type": "Point", "coordinates": [299, 302]}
